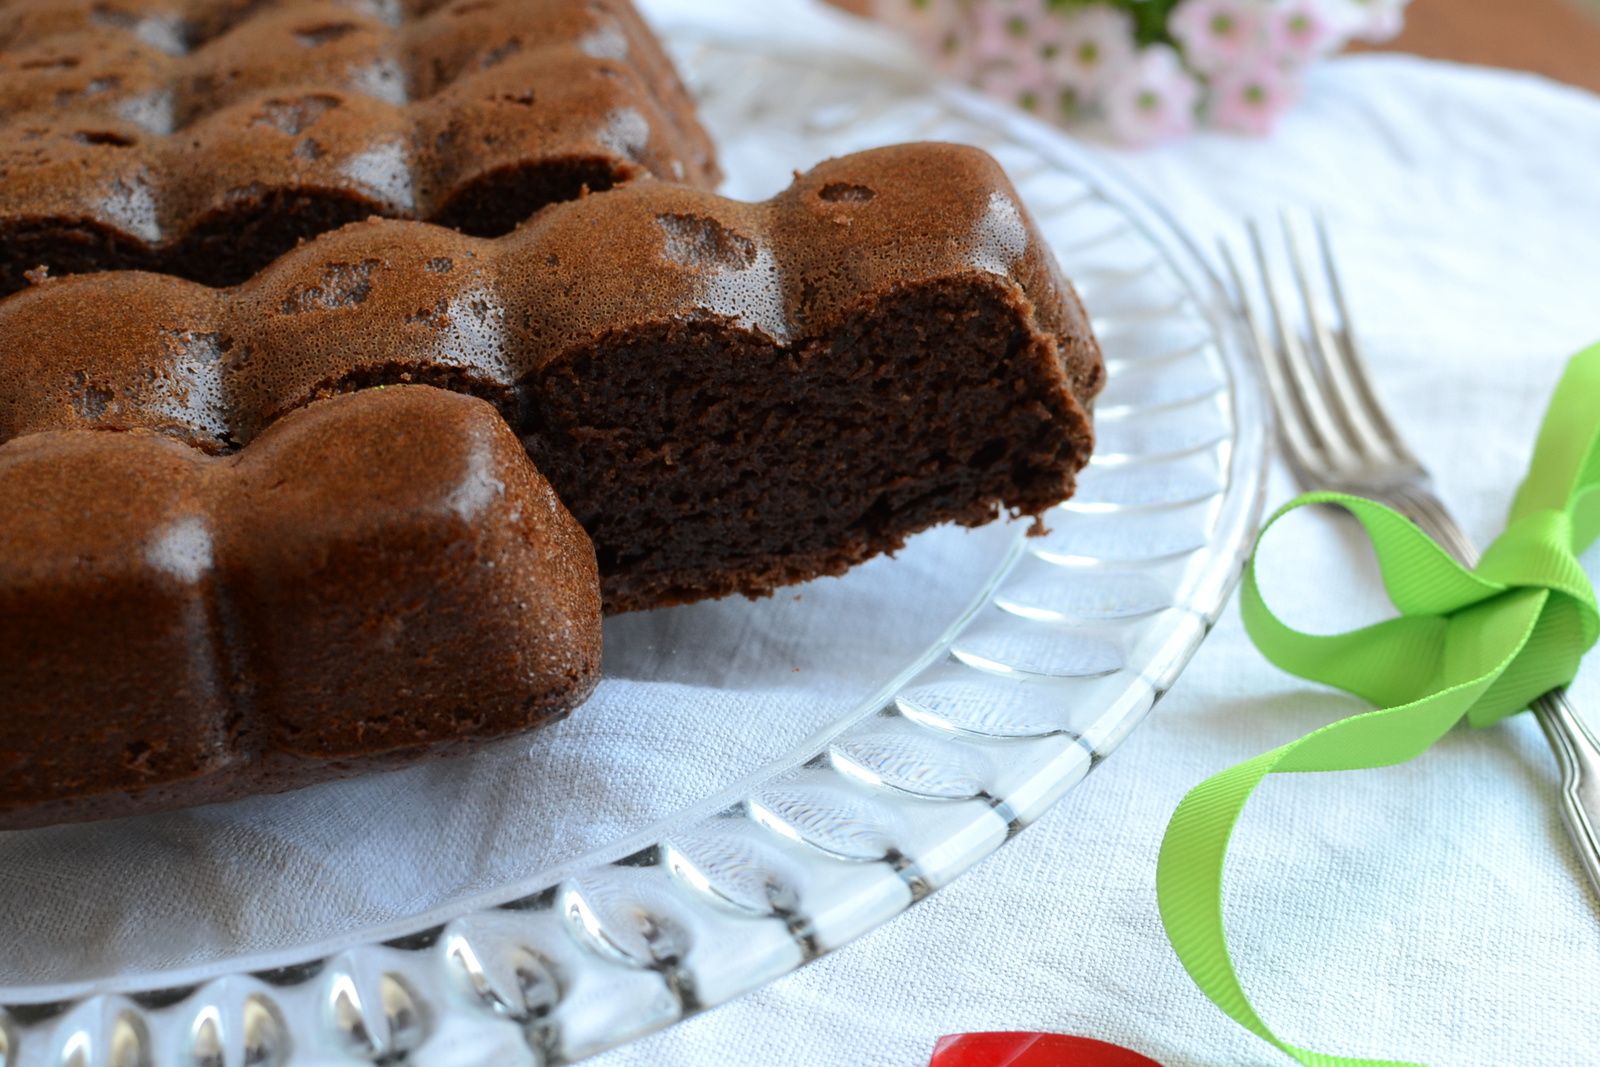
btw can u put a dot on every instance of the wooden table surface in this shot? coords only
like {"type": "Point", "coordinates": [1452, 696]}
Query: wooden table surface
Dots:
{"type": "Point", "coordinates": [1557, 38]}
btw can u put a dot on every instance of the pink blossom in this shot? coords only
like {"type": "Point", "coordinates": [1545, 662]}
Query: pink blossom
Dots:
{"type": "Point", "coordinates": [1216, 34]}
{"type": "Point", "coordinates": [1018, 79]}
{"type": "Point", "coordinates": [1249, 99]}
{"type": "Point", "coordinates": [1299, 31]}
{"type": "Point", "coordinates": [937, 28]}
{"type": "Point", "coordinates": [1376, 20]}
{"type": "Point", "coordinates": [1004, 55]}
{"type": "Point", "coordinates": [1152, 99]}
{"type": "Point", "coordinates": [1002, 28]}
{"type": "Point", "coordinates": [1236, 63]}
{"type": "Point", "coordinates": [1085, 47]}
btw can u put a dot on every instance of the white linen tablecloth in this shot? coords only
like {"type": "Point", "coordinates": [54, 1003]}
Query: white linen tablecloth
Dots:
{"type": "Point", "coordinates": [1431, 912]}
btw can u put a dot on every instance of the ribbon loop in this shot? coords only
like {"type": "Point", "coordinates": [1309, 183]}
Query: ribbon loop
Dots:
{"type": "Point", "coordinates": [1476, 645]}
{"type": "Point", "coordinates": [1566, 456]}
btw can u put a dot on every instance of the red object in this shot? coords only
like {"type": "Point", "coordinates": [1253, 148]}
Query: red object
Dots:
{"type": "Point", "coordinates": [1032, 1050]}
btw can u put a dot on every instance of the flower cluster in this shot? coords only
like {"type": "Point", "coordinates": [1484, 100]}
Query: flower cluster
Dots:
{"type": "Point", "coordinates": [1150, 69]}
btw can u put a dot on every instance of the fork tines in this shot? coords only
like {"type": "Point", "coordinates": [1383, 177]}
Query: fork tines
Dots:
{"type": "Point", "coordinates": [1334, 430]}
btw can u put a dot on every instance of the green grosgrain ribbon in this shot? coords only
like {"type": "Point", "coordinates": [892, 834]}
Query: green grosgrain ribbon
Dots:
{"type": "Point", "coordinates": [1477, 644]}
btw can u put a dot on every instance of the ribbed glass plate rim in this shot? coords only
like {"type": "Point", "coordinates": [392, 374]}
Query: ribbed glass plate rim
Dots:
{"type": "Point", "coordinates": [772, 872]}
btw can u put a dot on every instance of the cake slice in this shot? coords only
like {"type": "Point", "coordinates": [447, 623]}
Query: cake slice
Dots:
{"type": "Point", "coordinates": [206, 137]}
{"type": "Point", "coordinates": [739, 397]}
{"type": "Point", "coordinates": [728, 396]}
{"type": "Point", "coordinates": [378, 577]}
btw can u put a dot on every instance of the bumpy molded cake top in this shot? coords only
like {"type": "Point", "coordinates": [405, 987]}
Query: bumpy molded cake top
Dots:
{"type": "Point", "coordinates": [150, 119]}
{"type": "Point", "coordinates": [379, 572]}
{"type": "Point", "coordinates": [393, 301]}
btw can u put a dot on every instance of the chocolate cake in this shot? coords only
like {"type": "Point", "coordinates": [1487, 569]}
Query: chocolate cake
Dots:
{"type": "Point", "coordinates": [205, 137]}
{"type": "Point", "coordinates": [262, 535]}
{"type": "Point", "coordinates": [728, 396]}
{"type": "Point", "coordinates": [376, 577]}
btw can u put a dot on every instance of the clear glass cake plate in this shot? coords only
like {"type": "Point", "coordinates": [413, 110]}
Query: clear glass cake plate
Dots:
{"type": "Point", "coordinates": [755, 783]}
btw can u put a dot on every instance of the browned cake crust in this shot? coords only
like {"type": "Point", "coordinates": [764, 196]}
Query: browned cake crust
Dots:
{"type": "Point", "coordinates": [205, 137]}
{"type": "Point", "coordinates": [728, 396]}
{"type": "Point", "coordinates": [378, 577]}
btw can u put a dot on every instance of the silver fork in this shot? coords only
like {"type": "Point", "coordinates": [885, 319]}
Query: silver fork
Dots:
{"type": "Point", "coordinates": [1335, 435]}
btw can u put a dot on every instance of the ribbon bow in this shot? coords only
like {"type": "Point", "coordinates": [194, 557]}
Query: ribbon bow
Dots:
{"type": "Point", "coordinates": [1479, 644]}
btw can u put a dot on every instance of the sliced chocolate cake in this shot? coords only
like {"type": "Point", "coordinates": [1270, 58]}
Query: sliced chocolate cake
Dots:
{"type": "Point", "coordinates": [255, 537]}
{"type": "Point", "coordinates": [205, 137]}
{"type": "Point", "coordinates": [728, 396]}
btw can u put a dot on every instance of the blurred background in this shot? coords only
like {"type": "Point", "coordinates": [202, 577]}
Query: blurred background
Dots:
{"type": "Point", "coordinates": [1557, 38]}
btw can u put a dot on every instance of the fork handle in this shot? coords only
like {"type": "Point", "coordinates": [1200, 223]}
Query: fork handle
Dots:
{"type": "Point", "coordinates": [1578, 755]}
{"type": "Point", "coordinates": [1577, 752]}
